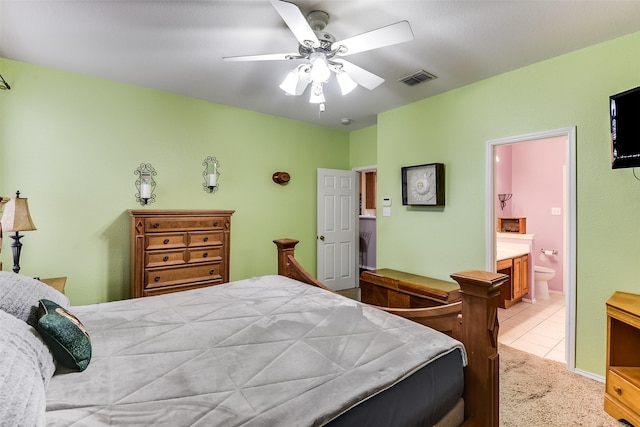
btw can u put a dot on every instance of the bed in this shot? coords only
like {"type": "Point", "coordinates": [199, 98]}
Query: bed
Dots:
{"type": "Point", "coordinates": [262, 351]}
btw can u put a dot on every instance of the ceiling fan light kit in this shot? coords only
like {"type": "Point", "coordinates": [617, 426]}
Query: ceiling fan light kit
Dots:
{"type": "Point", "coordinates": [319, 49]}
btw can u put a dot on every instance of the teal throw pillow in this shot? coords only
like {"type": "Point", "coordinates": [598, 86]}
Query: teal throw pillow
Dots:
{"type": "Point", "coordinates": [65, 335]}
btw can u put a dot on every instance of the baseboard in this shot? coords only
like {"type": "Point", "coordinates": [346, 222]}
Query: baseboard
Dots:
{"type": "Point", "coordinates": [590, 375]}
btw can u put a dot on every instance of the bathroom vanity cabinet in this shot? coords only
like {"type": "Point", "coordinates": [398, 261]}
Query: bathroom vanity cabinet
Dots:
{"type": "Point", "coordinates": [622, 391]}
{"type": "Point", "coordinates": [512, 291]}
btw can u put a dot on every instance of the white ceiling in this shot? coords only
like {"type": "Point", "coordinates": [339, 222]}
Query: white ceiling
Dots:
{"type": "Point", "coordinates": [177, 46]}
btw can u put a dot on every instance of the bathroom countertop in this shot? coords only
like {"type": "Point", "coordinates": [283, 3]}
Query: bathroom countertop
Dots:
{"type": "Point", "coordinates": [502, 254]}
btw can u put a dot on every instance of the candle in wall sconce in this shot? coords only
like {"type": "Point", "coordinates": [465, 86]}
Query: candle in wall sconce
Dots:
{"type": "Point", "coordinates": [145, 184]}
{"type": "Point", "coordinates": [212, 179]}
{"type": "Point", "coordinates": [210, 174]}
{"type": "Point", "coordinates": [145, 189]}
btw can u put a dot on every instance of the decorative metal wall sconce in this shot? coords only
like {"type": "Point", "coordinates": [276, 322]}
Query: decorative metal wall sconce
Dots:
{"type": "Point", "coordinates": [145, 184]}
{"type": "Point", "coordinates": [3, 84]}
{"type": "Point", "coordinates": [503, 199]}
{"type": "Point", "coordinates": [210, 174]}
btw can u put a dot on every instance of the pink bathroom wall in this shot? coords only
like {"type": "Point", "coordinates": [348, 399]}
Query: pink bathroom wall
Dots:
{"type": "Point", "coordinates": [503, 178]}
{"type": "Point", "coordinates": [537, 169]}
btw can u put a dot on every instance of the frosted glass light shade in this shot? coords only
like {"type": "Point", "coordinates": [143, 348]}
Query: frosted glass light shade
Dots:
{"type": "Point", "coordinates": [347, 85]}
{"type": "Point", "coordinates": [320, 71]}
{"type": "Point", "coordinates": [296, 81]}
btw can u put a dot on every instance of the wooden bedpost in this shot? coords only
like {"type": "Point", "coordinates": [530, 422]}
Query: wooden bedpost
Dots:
{"type": "Point", "coordinates": [288, 265]}
{"type": "Point", "coordinates": [480, 295]}
{"type": "Point", "coordinates": [285, 248]}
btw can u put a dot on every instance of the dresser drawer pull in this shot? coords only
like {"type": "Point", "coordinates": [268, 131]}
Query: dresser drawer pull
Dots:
{"type": "Point", "coordinates": [617, 389]}
{"type": "Point", "coordinates": [215, 223]}
{"type": "Point", "coordinates": [165, 259]}
{"type": "Point", "coordinates": [156, 225]}
{"type": "Point", "coordinates": [206, 239]}
{"type": "Point", "coordinates": [156, 279]}
{"type": "Point", "coordinates": [212, 271]}
{"type": "Point", "coordinates": [206, 254]}
{"type": "Point", "coordinates": [166, 241]}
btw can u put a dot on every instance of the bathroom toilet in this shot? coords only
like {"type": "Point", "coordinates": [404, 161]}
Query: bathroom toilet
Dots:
{"type": "Point", "coordinates": [541, 276]}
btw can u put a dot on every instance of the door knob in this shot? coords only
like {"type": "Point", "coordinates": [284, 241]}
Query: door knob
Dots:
{"type": "Point", "coordinates": [321, 238]}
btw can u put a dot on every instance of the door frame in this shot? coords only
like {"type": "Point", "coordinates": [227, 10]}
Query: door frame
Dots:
{"type": "Point", "coordinates": [569, 222]}
{"type": "Point", "coordinates": [357, 170]}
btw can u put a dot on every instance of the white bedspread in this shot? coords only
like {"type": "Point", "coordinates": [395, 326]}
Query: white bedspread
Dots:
{"type": "Point", "coordinates": [259, 352]}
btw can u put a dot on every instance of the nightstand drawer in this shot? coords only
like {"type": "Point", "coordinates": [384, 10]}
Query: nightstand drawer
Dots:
{"type": "Point", "coordinates": [209, 254]}
{"type": "Point", "coordinates": [621, 389]}
{"type": "Point", "coordinates": [160, 277]}
{"type": "Point", "coordinates": [205, 238]}
{"type": "Point", "coordinates": [152, 225]}
{"type": "Point", "coordinates": [166, 241]}
{"type": "Point", "coordinates": [165, 258]}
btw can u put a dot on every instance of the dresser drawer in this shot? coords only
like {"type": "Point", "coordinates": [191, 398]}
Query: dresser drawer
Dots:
{"type": "Point", "coordinates": [165, 258]}
{"type": "Point", "coordinates": [179, 288]}
{"type": "Point", "coordinates": [159, 277]}
{"type": "Point", "coordinates": [622, 390]}
{"type": "Point", "coordinates": [152, 225]}
{"type": "Point", "coordinates": [165, 241]}
{"type": "Point", "coordinates": [205, 238]}
{"type": "Point", "coordinates": [208, 254]}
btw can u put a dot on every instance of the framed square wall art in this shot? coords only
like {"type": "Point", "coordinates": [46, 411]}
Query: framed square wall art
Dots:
{"type": "Point", "coordinates": [423, 185]}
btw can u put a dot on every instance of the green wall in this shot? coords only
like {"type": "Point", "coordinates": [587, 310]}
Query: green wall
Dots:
{"type": "Point", "coordinates": [363, 147]}
{"type": "Point", "coordinates": [71, 143]}
{"type": "Point", "coordinates": [454, 127]}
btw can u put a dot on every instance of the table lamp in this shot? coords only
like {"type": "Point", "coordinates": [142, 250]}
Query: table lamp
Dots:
{"type": "Point", "coordinates": [16, 217]}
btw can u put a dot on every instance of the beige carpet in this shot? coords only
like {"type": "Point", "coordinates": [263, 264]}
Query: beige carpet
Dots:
{"type": "Point", "coordinates": [537, 392]}
{"type": "Point", "coordinates": [540, 392]}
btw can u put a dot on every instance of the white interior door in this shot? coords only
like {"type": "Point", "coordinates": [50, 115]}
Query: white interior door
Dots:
{"type": "Point", "coordinates": [337, 228]}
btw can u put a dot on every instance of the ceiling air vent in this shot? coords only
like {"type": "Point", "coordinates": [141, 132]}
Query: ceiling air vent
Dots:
{"type": "Point", "coordinates": [417, 77]}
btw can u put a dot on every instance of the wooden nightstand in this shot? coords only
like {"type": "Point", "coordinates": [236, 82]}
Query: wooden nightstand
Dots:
{"type": "Point", "coordinates": [622, 395]}
{"type": "Point", "coordinates": [56, 283]}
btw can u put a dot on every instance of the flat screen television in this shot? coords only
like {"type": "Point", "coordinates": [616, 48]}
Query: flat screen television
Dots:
{"type": "Point", "coordinates": [625, 129]}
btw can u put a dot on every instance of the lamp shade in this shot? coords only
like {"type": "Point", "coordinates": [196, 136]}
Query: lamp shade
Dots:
{"type": "Point", "coordinates": [346, 82]}
{"type": "Point", "coordinates": [296, 81]}
{"type": "Point", "coordinates": [16, 216]}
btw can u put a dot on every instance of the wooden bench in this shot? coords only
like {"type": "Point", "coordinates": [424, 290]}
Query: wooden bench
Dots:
{"type": "Point", "coordinates": [397, 289]}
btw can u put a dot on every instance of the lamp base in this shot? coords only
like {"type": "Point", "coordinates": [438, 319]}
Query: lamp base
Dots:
{"type": "Point", "coordinates": [16, 248]}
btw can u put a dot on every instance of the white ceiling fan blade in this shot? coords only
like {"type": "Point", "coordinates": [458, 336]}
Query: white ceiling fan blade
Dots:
{"type": "Point", "coordinates": [359, 75]}
{"type": "Point", "coordinates": [399, 32]}
{"type": "Point", "coordinates": [296, 22]}
{"type": "Point", "coordinates": [268, 57]}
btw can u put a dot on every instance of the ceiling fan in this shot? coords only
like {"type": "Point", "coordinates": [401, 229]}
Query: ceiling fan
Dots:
{"type": "Point", "coordinates": [322, 54]}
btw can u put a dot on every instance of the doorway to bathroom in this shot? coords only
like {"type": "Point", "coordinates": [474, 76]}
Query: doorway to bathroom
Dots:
{"type": "Point", "coordinates": [531, 180]}
{"type": "Point", "coordinates": [368, 178]}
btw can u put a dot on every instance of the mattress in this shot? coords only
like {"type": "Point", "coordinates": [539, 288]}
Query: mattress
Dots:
{"type": "Point", "coordinates": [256, 352]}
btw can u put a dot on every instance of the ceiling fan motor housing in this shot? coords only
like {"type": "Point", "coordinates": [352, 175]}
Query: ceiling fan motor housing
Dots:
{"type": "Point", "coordinates": [317, 20]}
{"type": "Point", "coordinates": [325, 39]}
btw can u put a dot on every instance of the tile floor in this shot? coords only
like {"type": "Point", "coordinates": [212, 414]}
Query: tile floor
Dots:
{"type": "Point", "coordinates": [535, 328]}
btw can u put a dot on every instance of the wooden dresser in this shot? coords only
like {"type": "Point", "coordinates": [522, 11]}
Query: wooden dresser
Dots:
{"type": "Point", "coordinates": [176, 250]}
{"type": "Point", "coordinates": [622, 391]}
{"type": "Point", "coordinates": [397, 289]}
